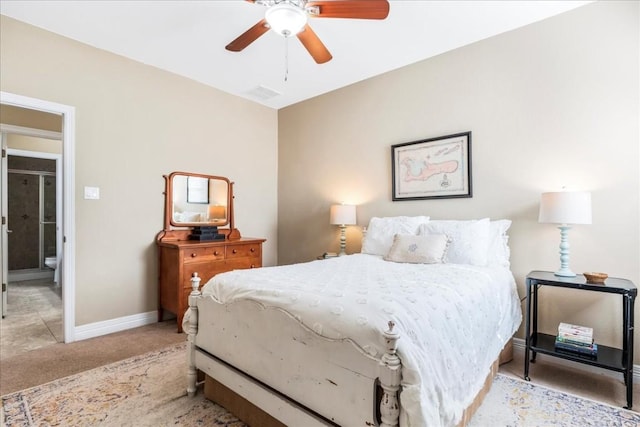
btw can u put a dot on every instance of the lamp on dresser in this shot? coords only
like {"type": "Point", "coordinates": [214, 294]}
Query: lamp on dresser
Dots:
{"type": "Point", "coordinates": [342, 215]}
{"type": "Point", "coordinates": [217, 213]}
{"type": "Point", "coordinates": [565, 208]}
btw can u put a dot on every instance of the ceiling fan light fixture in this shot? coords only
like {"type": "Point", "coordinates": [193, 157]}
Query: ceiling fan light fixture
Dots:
{"type": "Point", "coordinates": [286, 19]}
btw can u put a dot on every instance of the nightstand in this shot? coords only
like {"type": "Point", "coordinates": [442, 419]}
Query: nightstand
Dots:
{"type": "Point", "coordinates": [614, 359]}
{"type": "Point", "coordinates": [327, 255]}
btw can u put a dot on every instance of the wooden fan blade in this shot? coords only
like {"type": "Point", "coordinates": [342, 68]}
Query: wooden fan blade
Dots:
{"type": "Point", "coordinates": [358, 9]}
{"type": "Point", "coordinates": [313, 44]}
{"type": "Point", "coordinates": [248, 37]}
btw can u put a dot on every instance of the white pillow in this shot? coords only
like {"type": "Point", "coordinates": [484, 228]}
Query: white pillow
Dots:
{"type": "Point", "coordinates": [189, 217]}
{"type": "Point", "coordinates": [499, 251]}
{"type": "Point", "coordinates": [427, 249]}
{"type": "Point", "coordinates": [380, 232]}
{"type": "Point", "coordinates": [469, 240]}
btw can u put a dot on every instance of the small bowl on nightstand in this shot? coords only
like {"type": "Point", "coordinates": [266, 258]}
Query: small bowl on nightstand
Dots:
{"type": "Point", "coordinates": [596, 278]}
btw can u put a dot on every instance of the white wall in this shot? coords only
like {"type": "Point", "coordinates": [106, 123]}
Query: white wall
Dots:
{"type": "Point", "coordinates": [549, 105]}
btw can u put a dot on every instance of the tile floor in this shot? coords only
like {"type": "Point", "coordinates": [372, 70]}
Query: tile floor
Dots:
{"type": "Point", "coordinates": [33, 317]}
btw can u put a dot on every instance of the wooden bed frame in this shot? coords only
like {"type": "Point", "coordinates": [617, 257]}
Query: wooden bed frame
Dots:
{"type": "Point", "coordinates": [315, 381]}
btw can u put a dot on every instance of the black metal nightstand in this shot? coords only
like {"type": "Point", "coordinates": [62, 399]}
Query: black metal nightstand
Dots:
{"type": "Point", "coordinates": [615, 359]}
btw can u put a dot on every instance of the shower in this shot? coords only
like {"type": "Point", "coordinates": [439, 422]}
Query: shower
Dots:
{"type": "Point", "coordinates": [32, 217]}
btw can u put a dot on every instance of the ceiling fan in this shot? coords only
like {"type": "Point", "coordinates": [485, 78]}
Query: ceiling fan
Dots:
{"type": "Point", "coordinates": [289, 18]}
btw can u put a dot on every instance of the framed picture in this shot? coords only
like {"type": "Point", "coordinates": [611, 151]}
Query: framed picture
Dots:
{"type": "Point", "coordinates": [197, 190]}
{"type": "Point", "coordinates": [435, 168]}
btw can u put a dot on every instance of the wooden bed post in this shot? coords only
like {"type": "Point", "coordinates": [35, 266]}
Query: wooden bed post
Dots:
{"type": "Point", "coordinates": [192, 330]}
{"type": "Point", "coordinates": [390, 374]}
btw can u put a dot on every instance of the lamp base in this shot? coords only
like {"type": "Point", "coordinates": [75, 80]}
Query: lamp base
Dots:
{"type": "Point", "coordinates": [343, 241]}
{"type": "Point", "coordinates": [565, 272]}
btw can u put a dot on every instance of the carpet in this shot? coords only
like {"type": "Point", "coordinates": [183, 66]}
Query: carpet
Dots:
{"type": "Point", "coordinates": [149, 390]}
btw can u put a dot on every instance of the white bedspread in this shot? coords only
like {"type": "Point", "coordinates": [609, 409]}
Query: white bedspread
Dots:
{"type": "Point", "coordinates": [453, 319]}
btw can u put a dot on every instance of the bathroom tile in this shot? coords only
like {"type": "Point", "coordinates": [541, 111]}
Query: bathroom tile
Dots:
{"type": "Point", "coordinates": [34, 317]}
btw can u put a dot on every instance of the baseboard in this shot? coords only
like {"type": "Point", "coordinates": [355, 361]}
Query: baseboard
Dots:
{"type": "Point", "coordinates": [518, 352]}
{"type": "Point", "coordinates": [97, 329]}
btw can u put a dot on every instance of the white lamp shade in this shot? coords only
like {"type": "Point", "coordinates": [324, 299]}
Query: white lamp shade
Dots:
{"type": "Point", "coordinates": [217, 212]}
{"type": "Point", "coordinates": [565, 207]}
{"type": "Point", "coordinates": [286, 19]}
{"type": "Point", "coordinates": [343, 215]}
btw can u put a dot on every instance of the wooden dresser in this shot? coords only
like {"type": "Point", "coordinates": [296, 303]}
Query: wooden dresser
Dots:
{"type": "Point", "coordinates": [179, 259]}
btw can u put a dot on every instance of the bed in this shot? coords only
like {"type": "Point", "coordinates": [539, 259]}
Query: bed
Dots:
{"type": "Point", "coordinates": [407, 333]}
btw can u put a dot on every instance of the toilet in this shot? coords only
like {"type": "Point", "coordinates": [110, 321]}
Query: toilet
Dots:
{"type": "Point", "coordinates": [52, 263]}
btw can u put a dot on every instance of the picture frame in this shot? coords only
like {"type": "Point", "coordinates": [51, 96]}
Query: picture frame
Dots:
{"type": "Point", "coordinates": [197, 190]}
{"type": "Point", "coordinates": [434, 168]}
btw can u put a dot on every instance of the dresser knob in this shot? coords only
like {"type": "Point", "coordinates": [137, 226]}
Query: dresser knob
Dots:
{"type": "Point", "coordinates": [193, 255]}
{"type": "Point", "coordinates": [253, 266]}
{"type": "Point", "coordinates": [216, 253]}
{"type": "Point", "coordinates": [253, 249]}
{"type": "Point", "coordinates": [235, 251]}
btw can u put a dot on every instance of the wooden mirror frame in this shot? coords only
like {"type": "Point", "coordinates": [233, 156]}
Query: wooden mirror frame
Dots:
{"type": "Point", "coordinates": [181, 231]}
{"type": "Point", "coordinates": [172, 199]}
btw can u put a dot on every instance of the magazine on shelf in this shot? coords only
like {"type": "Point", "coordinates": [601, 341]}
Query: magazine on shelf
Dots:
{"type": "Point", "coordinates": [589, 350]}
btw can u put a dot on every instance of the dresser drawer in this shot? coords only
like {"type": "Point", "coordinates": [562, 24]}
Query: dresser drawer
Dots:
{"type": "Point", "coordinates": [243, 251]}
{"type": "Point", "coordinates": [208, 253]}
{"type": "Point", "coordinates": [205, 270]}
{"type": "Point", "coordinates": [243, 263]}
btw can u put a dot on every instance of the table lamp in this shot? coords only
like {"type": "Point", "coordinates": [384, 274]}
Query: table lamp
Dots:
{"type": "Point", "coordinates": [565, 208]}
{"type": "Point", "coordinates": [342, 215]}
{"type": "Point", "coordinates": [217, 213]}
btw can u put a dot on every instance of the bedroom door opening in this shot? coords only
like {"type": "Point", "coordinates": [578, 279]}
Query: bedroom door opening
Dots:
{"type": "Point", "coordinates": [35, 122]}
{"type": "Point", "coordinates": [32, 307]}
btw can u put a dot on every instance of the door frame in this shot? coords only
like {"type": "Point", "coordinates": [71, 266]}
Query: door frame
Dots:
{"type": "Point", "coordinates": [68, 114]}
{"type": "Point", "coordinates": [4, 237]}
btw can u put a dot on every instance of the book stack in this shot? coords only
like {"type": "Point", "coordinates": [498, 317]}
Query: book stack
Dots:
{"type": "Point", "coordinates": [576, 339]}
{"type": "Point", "coordinates": [205, 233]}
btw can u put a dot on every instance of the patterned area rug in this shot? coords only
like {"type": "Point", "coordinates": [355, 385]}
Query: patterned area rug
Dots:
{"type": "Point", "coordinates": [149, 390]}
{"type": "Point", "coordinates": [146, 390]}
{"type": "Point", "coordinates": [515, 402]}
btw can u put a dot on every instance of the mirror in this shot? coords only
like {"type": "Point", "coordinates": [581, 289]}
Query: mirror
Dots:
{"type": "Point", "coordinates": [196, 200]}
{"type": "Point", "coordinates": [195, 205]}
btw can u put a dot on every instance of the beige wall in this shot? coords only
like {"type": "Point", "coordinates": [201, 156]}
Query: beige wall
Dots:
{"type": "Point", "coordinates": [551, 104]}
{"type": "Point", "coordinates": [17, 116]}
{"type": "Point", "coordinates": [31, 143]}
{"type": "Point", "coordinates": [135, 123]}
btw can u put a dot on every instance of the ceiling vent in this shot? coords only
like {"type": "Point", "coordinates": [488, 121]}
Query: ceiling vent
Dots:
{"type": "Point", "coordinates": [263, 93]}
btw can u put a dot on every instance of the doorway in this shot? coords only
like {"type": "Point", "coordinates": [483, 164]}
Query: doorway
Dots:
{"type": "Point", "coordinates": [33, 306]}
{"type": "Point", "coordinates": [66, 248]}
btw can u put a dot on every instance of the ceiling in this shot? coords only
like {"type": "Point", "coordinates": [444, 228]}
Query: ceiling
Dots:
{"type": "Point", "coordinates": [188, 38]}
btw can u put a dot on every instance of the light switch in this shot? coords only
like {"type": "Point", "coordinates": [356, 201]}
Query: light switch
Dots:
{"type": "Point", "coordinates": [92, 193]}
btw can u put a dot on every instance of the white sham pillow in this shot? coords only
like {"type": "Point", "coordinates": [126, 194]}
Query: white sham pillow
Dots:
{"type": "Point", "coordinates": [427, 249]}
{"type": "Point", "coordinates": [499, 252]}
{"type": "Point", "coordinates": [468, 240]}
{"type": "Point", "coordinates": [381, 230]}
{"type": "Point", "coordinates": [187, 217]}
